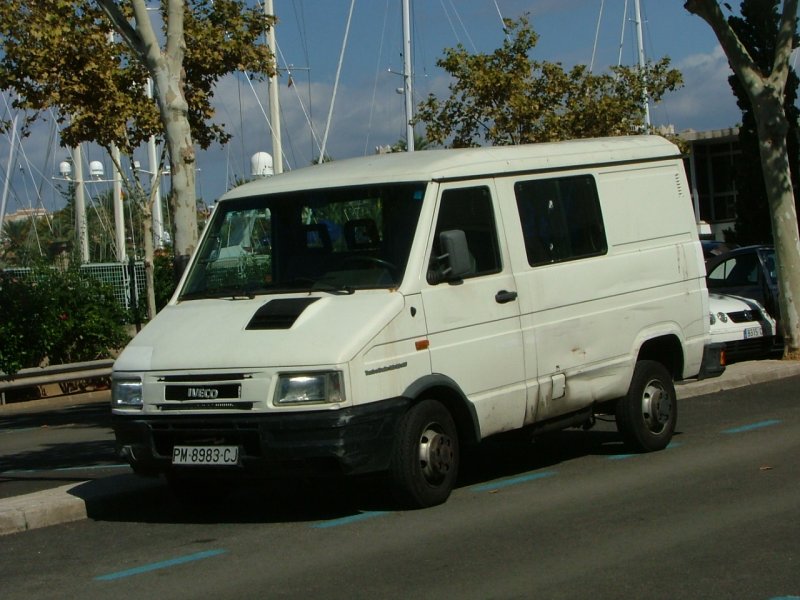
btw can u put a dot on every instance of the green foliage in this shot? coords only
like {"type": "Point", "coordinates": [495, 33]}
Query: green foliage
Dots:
{"type": "Point", "coordinates": [58, 317]}
{"type": "Point", "coordinates": [507, 98]}
{"type": "Point", "coordinates": [56, 54]}
{"type": "Point", "coordinates": [757, 29]}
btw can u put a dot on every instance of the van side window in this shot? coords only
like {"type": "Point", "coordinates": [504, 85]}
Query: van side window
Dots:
{"type": "Point", "coordinates": [469, 210]}
{"type": "Point", "coordinates": [561, 219]}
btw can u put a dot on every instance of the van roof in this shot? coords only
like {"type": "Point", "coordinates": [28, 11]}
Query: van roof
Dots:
{"type": "Point", "coordinates": [462, 163]}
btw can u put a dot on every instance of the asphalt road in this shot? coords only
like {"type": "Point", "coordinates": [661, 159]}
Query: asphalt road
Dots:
{"type": "Point", "coordinates": [44, 446]}
{"type": "Point", "coordinates": [716, 515]}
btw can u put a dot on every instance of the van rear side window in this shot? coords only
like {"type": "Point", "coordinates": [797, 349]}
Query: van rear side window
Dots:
{"type": "Point", "coordinates": [561, 219]}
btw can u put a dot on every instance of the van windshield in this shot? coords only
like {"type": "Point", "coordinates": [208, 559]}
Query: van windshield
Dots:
{"type": "Point", "coordinates": [337, 240]}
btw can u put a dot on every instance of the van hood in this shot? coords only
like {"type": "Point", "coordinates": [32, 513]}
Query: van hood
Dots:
{"type": "Point", "coordinates": [274, 331]}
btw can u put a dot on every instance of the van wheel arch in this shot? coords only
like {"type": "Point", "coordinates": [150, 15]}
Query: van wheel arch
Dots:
{"type": "Point", "coordinates": [445, 390]}
{"type": "Point", "coordinates": [667, 350]}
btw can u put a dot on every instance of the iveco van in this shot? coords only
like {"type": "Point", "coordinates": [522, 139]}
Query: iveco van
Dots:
{"type": "Point", "coordinates": [379, 314]}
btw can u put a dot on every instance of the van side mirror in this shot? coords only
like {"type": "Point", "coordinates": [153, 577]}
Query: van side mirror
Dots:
{"type": "Point", "coordinates": [455, 261]}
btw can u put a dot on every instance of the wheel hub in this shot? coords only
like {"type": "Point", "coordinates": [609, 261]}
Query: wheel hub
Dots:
{"type": "Point", "coordinates": [656, 406]}
{"type": "Point", "coordinates": [436, 455]}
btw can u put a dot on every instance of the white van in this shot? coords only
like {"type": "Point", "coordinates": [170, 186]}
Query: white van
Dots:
{"type": "Point", "coordinates": [379, 314]}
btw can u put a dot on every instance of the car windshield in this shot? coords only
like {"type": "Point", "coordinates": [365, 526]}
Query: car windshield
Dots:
{"type": "Point", "coordinates": [336, 240]}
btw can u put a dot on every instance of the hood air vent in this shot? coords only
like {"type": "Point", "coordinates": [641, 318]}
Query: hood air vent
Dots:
{"type": "Point", "coordinates": [279, 314]}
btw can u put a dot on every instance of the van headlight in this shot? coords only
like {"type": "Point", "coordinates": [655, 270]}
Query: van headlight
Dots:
{"type": "Point", "coordinates": [126, 393]}
{"type": "Point", "coordinates": [310, 388]}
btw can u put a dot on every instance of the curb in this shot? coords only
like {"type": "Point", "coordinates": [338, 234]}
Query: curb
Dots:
{"type": "Point", "coordinates": [739, 375]}
{"type": "Point", "coordinates": [68, 503]}
{"type": "Point", "coordinates": [40, 509]}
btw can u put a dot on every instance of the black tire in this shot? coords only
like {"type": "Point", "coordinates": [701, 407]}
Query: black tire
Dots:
{"type": "Point", "coordinates": [425, 455]}
{"type": "Point", "coordinates": [647, 415]}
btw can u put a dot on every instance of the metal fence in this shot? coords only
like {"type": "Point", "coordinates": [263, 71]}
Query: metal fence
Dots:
{"type": "Point", "coordinates": [127, 279]}
{"type": "Point", "coordinates": [128, 284]}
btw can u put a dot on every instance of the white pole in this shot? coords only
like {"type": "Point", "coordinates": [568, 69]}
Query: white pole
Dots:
{"type": "Point", "coordinates": [81, 227]}
{"type": "Point", "coordinates": [119, 213]}
{"type": "Point", "coordinates": [407, 85]}
{"type": "Point", "coordinates": [336, 84]}
{"type": "Point", "coordinates": [9, 167]}
{"type": "Point", "coordinates": [155, 182]}
{"type": "Point", "coordinates": [274, 98]}
{"type": "Point", "coordinates": [640, 46]}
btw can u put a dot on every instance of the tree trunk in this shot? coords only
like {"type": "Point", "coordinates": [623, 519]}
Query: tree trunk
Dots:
{"type": "Point", "coordinates": [182, 198]}
{"type": "Point", "coordinates": [772, 129]}
{"type": "Point", "coordinates": [766, 94]}
{"type": "Point", "coordinates": [166, 69]}
{"type": "Point", "coordinates": [149, 261]}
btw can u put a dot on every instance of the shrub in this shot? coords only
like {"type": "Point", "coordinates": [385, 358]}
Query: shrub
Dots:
{"type": "Point", "coordinates": [57, 317]}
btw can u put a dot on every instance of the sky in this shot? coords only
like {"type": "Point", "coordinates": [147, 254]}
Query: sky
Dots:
{"type": "Point", "coordinates": [367, 110]}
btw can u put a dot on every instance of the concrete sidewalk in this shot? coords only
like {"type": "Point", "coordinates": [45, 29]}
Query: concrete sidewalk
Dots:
{"type": "Point", "coordinates": [76, 501]}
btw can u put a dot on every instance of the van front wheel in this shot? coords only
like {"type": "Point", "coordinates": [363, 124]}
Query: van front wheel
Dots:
{"type": "Point", "coordinates": [646, 417]}
{"type": "Point", "coordinates": [425, 455]}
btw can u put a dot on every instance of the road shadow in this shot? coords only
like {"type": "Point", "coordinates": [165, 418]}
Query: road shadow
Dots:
{"type": "Point", "coordinates": [324, 500]}
{"type": "Point", "coordinates": [85, 415]}
{"type": "Point", "coordinates": [60, 455]}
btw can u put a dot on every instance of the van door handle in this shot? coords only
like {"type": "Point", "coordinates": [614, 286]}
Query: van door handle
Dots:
{"type": "Point", "coordinates": [504, 296]}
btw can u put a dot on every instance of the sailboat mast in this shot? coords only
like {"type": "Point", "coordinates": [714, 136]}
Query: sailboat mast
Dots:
{"type": "Point", "coordinates": [642, 64]}
{"type": "Point", "coordinates": [274, 100]}
{"type": "Point", "coordinates": [407, 91]}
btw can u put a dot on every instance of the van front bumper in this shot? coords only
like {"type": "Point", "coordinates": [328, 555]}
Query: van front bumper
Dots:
{"type": "Point", "coordinates": [347, 441]}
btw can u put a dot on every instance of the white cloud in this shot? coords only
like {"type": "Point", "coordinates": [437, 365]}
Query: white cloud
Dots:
{"type": "Point", "coordinates": [706, 100]}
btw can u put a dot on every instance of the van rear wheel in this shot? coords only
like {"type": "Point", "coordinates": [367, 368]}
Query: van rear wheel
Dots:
{"type": "Point", "coordinates": [647, 415]}
{"type": "Point", "coordinates": [425, 455]}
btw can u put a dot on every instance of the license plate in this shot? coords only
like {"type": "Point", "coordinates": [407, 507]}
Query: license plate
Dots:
{"type": "Point", "coordinates": [205, 455]}
{"type": "Point", "coordinates": [752, 332]}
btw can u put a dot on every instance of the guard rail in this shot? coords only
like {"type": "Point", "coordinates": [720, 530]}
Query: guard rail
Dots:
{"type": "Point", "coordinates": [54, 374]}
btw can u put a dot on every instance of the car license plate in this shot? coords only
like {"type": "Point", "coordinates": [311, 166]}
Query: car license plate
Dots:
{"type": "Point", "coordinates": [205, 455]}
{"type": "Point", "coordinates": [752, 332]}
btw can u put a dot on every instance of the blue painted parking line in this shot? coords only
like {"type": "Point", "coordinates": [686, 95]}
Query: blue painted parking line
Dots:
{"type": "Point", "coordinates": [165, 564]}
{"type": "Point", "coordinates": [670, 446]}
{"type": "Point", "coordinates": [752, 426]}
{"type": "Point", "coordinates": [351, 519]}
{"type": "Point", "coordinates": [504, 483]}
{"type": "Point", "coordinates": [621, 456]}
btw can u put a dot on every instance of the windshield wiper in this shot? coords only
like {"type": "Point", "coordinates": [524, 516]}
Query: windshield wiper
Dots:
{"type": "Point", "coordinates": [317, 285]}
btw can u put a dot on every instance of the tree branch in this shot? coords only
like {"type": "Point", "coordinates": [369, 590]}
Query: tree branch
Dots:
{"type": "Point", "coordinates": [740, 59]}
{"type": "Point", "coordinates": [123, 27]}
{"type": "Point", "coordinates": [783, 45]}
